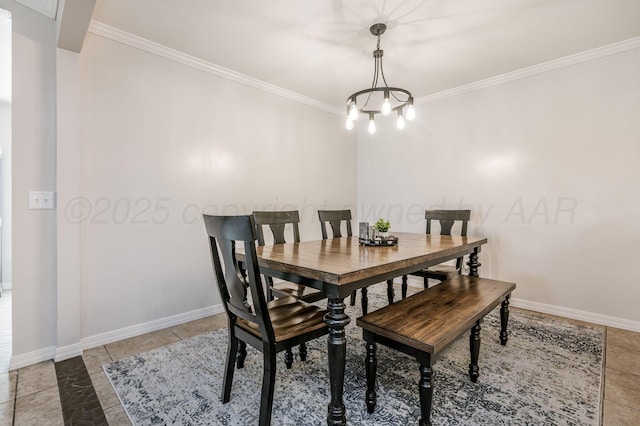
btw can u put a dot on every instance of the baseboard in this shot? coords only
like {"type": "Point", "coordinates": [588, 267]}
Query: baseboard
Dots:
{"type": "Point", "coordinates": [6, 286]}
{"type": "Point", "coordinates": [560, 311]}
{"type": "Point", "coordinates": [19, 361]}
{"type": "Point", "coordinates": [137, 330]}
{"type": "Point", "coordinates": [66, 352]}
{"type": "Point", "coordinates": [577, 315]}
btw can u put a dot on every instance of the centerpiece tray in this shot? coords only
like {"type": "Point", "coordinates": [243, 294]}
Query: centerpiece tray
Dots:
{"type": "Point", "coordinates": [380, 241]}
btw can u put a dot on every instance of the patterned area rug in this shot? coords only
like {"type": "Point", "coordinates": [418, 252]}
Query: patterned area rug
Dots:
{"type": "Point", "coordinates": [549, 373]}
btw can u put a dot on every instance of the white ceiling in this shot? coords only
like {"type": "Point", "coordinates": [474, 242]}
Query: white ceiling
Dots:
{"type": "Point", "coordinates": [323, 48]}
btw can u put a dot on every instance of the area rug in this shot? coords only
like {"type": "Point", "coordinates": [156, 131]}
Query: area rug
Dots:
{"type": "Point", "coordinates": [549, 373]}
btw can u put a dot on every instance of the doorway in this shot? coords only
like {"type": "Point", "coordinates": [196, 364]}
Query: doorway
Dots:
{"type": "Point", "coordinates": [5, 190]}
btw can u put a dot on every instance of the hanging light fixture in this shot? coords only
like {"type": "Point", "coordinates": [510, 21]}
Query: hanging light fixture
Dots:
{"type": "Point", "coordinates": [380, 100]}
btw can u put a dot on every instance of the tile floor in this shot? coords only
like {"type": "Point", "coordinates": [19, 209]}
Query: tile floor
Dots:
{"type": "Point", "coordinates": [29, 396]}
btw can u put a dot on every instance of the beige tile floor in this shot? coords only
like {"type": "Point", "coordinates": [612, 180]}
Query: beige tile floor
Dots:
{"type": "Point", "coordinates": [29, 396]}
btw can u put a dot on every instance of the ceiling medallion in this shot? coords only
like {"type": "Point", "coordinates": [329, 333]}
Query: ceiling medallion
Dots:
{"type": "Point", "coordinates": [380, 100]}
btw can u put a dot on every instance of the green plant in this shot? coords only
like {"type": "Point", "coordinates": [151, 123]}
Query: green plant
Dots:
{"type": "Point", "coordinates": [382, 225]}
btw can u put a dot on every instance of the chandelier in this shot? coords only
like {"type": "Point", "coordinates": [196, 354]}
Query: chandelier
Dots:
{"type": "Point", "coordinates": [380, 100]}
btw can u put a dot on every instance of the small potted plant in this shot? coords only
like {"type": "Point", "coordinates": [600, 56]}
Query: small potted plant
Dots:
{"type": "Point", "coordinates": [382, 226]}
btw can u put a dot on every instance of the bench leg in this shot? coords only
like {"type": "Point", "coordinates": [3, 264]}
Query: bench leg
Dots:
{"type": "Point", "coordinates": [504, 319]}
{"type": "Point", "coordinates": [390, 292]}
{"type": "Point", "coordinates": [288, 358]}
{"type": "Point", "coordinates": [404, 287]}
{"type": "Point", "coordinates": [365, 300]}
{"type": "Point", "coordinates": [303, 351]}
{"type": "Point", "coordinates": [371, 365]}
{"type": "Point", "coordinates": [474, 346]}
{"type": "Point", "coordinates": [425, 387]}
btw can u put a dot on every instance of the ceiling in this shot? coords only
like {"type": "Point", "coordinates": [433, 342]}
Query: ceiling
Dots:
{"type": "Point", "coordinates": [323, 48]}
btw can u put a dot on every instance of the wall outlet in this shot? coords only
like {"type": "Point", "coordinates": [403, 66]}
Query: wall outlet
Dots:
{"type": "Point", "coordinates": [42, 200]}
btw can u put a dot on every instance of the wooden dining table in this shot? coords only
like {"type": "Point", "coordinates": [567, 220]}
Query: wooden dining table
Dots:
{"type": "Point", "coordinates": [339, 266]}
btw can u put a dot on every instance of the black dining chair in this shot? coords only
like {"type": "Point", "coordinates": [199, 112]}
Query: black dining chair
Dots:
{"type": "Point", "coordinates": [335, 218]}
{"type": "Point", "coordinates": [270, 327]}
{"type": "Point", "coordinates": [278, 222]}
{"type": "Point", "coordinates": [446, 220]}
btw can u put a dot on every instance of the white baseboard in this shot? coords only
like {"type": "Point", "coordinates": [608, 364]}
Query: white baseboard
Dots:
{"type": "Point", "coordinates": [66, 352]}
{"type": "Point", "coordinates": [577, 315]}
{"type": "Point", "coordinates": [6, 286]}
{"type": "Point", "coordinates": [137, 330]}
{"type": "Point", "coordinates": [560, 311]}
{"type": "Point", "coordinates": [59, 354]}
{"type": "Point", "coordinates": [30, 358]}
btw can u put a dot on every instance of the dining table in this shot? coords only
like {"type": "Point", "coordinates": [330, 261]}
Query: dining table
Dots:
{"type": "Point", "coordinates": [339, 266]}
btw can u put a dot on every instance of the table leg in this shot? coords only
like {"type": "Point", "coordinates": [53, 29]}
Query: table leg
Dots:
{"type": "Point", "coordinates": [473, 263]}
{"type": "Point", "coordinates": [504, 320]}
{"type": "Point", "coordinates": [336, 319]}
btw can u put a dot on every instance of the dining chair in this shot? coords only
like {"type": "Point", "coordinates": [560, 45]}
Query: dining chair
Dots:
{"type": "Point", "coordinates": [446, 219]}
{"type": "Point", "coordinates": [270, 327]}
{"type": "Point", "coordinates": [278, 222]}
{"type": "Point", "coordinates": [336, 218]}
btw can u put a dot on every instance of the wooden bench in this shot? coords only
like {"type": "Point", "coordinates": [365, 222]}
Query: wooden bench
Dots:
{"type": "Point", "coordinates": [427, 322]}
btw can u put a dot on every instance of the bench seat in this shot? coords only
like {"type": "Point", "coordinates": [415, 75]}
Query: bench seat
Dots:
{"type": "Point", "coordinates": [424, 324]}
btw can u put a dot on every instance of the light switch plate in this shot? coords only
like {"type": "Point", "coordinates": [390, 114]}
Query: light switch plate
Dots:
{"type": "Point", "coordinates": [41, 200]}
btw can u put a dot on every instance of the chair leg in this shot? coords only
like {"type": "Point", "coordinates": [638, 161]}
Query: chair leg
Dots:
{"type": "Point", "coordinates": [288, 358]}
{"type": "Point", "coordinates": [229, 367]}
{"type": "Point", "coordinates": [404, 287]}
{"type": "Point", "coordinates": [353, 298]}
{"type": "Point", "coordinates": [242, 354]}
{"type": "Point", "coordinates": [474, 347]}
{"type": "Point", "coordinates": [425, 388]}
{"type": "Point", "coordinates": [303, 351]}
{"type": "Point", "coordinates": [371, 365]}
{"type": "Point", "coordinates": [269, 281]}
{"type": "Point", "coordinates": [504, 320]}
{"type": "Point", "coordinates": [268, 381]}
{"type": "Point", "coordinates": [365, 300]}
{"type": "Point", "coordinates": [426, 282]}
{"type": "Point", "coordinates": [390, 292]}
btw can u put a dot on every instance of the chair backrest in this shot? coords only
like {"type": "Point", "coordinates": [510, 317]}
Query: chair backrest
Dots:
{"type": "Point", "coordinates": [224, 232]}
{"type": "Point", "coordinates": [277, 222]}
{"type": "Point", "coordinates": [335, 219]}
{"type": "Point", "coordinates": [447, 218]}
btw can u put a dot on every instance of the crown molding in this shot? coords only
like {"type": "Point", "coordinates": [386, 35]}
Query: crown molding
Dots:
{"type": "Point", "coordinates": [120, 36]}
{"type": "Point", "coordinates": [140, 43]}
{"type": "Point", "coordinates": [588, 55]}
{"type": "Point", "coordinates": [48, 8]}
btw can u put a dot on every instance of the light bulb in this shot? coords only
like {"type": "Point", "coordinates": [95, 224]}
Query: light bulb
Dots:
{"type": "Point", "coordinates": [411, 113]}
{"type": "Point", "coordinates": [400, 123]}
{"type": "Point", "coordinates": [386, 106]}
{"type": "Point", "coordinates": [372, 125]}
{"type": "Point", "coordinates": [349, 123]}
{"type": "Point", "coordinates": [353, 111]}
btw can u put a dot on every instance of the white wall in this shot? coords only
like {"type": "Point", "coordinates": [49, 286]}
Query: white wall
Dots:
{"type": "Point", "coordinates": [157, 134]}
{"type": "Point", "coordinates": [549, 166]}
{"type": "Point", "coordinates": [33, 168]}
{"type": "Point", "coordinates": [163, 142]}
